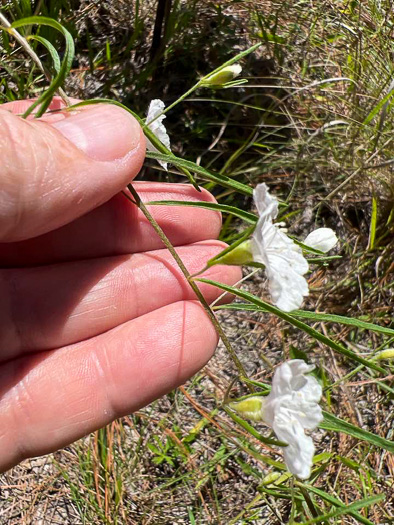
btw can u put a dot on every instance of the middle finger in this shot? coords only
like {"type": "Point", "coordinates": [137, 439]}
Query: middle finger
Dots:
{"type": "Point", "coordinates": [51, 306]}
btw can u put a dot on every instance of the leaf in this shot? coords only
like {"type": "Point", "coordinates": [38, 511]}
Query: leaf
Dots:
{"type": "Point", "coordinates": [330, 318]}
{"type": "Point", "coordinates": [361, 504]}
{"type": "Point", "coordinates": [338, 503]}
{"type": "Point", "coordinates": [372, 226]}
{"type": "Point", "coordinates": [51, 49]}
{"type": "Point", "coordinates": [295, 322]}
{"type": "Point", "coordinates": [336, 424]}
{"type": "Point", "coordinates": [45, 99]}
{"type": "Point", "coordinates": [217, 178]}
{"type": "Point", "coordinates": [224, 208]}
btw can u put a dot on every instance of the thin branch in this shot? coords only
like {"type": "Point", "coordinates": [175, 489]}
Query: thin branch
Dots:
{"type": "Point", "coordinates": [191, 282]}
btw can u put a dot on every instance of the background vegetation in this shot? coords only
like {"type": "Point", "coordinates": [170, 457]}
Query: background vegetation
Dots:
{"type": "Point", "coordinates": [314, 122]}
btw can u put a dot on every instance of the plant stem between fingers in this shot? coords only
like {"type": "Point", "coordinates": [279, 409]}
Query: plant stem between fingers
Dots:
{"type": "Point", "coordinates": [191, 282]}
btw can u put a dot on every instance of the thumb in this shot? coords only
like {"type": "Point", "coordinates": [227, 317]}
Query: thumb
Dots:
{"type": "Point", "coordinates": [52, 173]}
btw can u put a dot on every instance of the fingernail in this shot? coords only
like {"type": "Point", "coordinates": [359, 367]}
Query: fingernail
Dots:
{"type": "Point", "coordinates": [104, 132]}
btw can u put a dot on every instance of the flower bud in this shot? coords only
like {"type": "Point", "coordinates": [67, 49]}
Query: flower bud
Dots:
{"type": "Point", "coordinates": [386, 354]}
{"type": "Point", "coordinates": [322, 239]}
{"type": "Point", "coordinates": [241, 254]}
{"type": "Point", "coordinates": [222, 77]}
{"type": "Point", "coordinates": [250, 408]}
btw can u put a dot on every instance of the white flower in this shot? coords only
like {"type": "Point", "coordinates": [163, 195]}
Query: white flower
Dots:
{"type": "Point", "coordinates": [322, 239]}
{"type": "Point", "coordinates": [292, 407]}
{"type": "Point", "coordinates": [225, 75]}
{"type": "Point", "coordinates": [284, 263]}
{"type": "Point", "coordinates": [289, 409]}
{"type": "Point", "coordinates": [157, 127]}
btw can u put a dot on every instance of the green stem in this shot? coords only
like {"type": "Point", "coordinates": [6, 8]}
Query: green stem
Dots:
{"type": "Point", "coordinates": [189, 279]}
{"type": "Point", "coordinates": [200, 82]}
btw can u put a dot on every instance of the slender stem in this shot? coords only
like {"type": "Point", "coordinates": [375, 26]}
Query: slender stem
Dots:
{"type": "Point", "coordinates": [201, 81]}
{"type": "Point", "coordinates": [33, 55]}
{"type": "Point", "coordinates": [189, 279]}
{"type": "Point", "coordinates": [182, 97]}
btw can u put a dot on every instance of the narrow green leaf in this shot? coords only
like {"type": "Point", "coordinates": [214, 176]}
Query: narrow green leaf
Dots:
{"type": "Point", "coordinates": [45, 99]}
{"type": "Point", "coordinates": [338, 503]}
{"type": "Point", "coordinates": [372, 226]}
{"type": "Point", "coordinates": [295, 322]}
{"type": "Point", "coordinates": [361, 504]}
{"type": "Point", "coordinates": [217, 178]}
{"type": "Point", "coordinates": [224, 208]}
{"type": "Point", "coordinates": [336, 424]}
{"type": "Point", "coordinates": [378, 107]}
{"type": "Point", "coordinates": [51, 49]}
{"type": "Point", "coordinates": [329, 318]}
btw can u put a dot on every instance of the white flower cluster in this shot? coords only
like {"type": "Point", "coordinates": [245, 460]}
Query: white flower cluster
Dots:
{"type": "Point", "coordinates": [290, 409]}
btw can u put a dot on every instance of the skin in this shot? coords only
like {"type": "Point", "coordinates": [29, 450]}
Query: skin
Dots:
{"type": "Point", "coordinates": [96, 320]}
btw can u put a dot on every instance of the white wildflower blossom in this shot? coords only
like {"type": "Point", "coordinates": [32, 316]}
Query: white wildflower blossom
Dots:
{"type": "Point", "coordinates": [157, 127]}
{"type": "Point", "coordinates": [284, 263]}
{"type": "Point", "coordinates": [290, 409]}
{"type": "Point", "coordinates": [323, 239]}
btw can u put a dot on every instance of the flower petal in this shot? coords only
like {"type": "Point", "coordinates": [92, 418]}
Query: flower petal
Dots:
{"type": "Point", "coordinates": [323, 239]}
{"type": "Point", "coordinates": [298, 455]}
{"type": "Point", "coordinates": [283, 259]}
{"type": "Point", "coordinates": [267, 206]}
{"type": "Point", "coordinates": [287, 287]}
{"type": "Point", "coordinates": [293, 396]}
{"type": "Point", "coordinates": [157, 127]}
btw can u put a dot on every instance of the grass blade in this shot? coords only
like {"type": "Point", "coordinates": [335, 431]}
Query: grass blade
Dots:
{"type": "Point", "coordinates": [336, 424]}
{"type": "Point", "coordinates": [251, 218]}
{"type": "Point", "coordinates": [295, 322]}
{"type": "Point", "coordinates": [334, 501]}
{"type": "Point", "coordinates": [223, 180]}
{"type": "Point", "coordinates": [361, 504]}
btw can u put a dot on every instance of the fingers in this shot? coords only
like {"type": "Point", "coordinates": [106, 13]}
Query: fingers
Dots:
{"type": "Point", "coordinates": [52, 306]}
{"type": "Point", "coordinates": [53, 173]}
{"type": "Point", "coordinates": [54, 398]}
{"type": "Point", "coordinates": [118, 227]}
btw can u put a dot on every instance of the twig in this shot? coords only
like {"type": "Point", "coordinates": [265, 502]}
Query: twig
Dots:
{"type": "Point", "coordinates": [191, 282]}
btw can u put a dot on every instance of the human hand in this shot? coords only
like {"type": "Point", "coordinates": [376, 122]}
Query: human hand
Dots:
{"type": "Point", "coordinates": [96, 319]}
